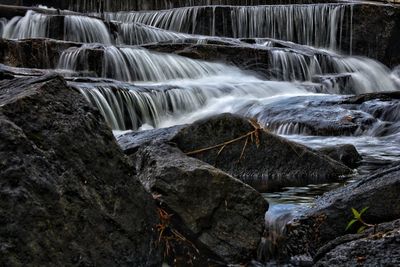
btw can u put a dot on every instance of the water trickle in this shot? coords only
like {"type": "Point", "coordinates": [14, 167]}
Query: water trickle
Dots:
{"type": "Point", "coordinates": [67, 28]}
{"type": "Point", "coordinates": [3, 23]}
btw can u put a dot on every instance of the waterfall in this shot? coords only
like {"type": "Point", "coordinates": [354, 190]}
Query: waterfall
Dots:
{"type": "Point", "coordinates": [136, 34]}
{"type": "Point", "coordinates": [179, 20]}
{"type": "Point", "coordinates": [109, 5]}
{"type": "Point", "coordinates": [305, 24]}
{"type": "Point", "coordinates": [67, 28]}
{"type": "Point", "coordinates": [136, 64]}
{"type": "Point", "coordinates": [366, 75]}
{"type": "Point", "coordinates": [130, 106]}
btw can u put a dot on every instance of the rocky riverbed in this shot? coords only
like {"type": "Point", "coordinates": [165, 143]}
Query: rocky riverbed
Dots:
{"type": "Point", "coordinates": [209, 133]}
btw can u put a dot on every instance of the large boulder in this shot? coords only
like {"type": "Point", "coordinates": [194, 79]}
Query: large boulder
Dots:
{"type": "Point", "coordinates": [68, 195]}
{"type": "Point", "coordinates": [214, 210]}
{"type": "Point", "coordinates": [329, 218]}
{"type": "Point", "coordinates": [266, 161]}
{"type": "Point", "coordinates": [262, 159]}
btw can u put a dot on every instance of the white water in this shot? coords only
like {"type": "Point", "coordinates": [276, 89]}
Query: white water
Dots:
{"type": "Point", "coordinates": [367, 75]}
{"type": "Point", "coordinates": [136, 64]}
{"type": "Point", "coordinates": [128, 106]}
{"type": "Point", "coordinates": [316, 25]}
{"type": "Point", "coordinates": [76, 28]}
{"type": "Point", "coordinates": [133, 33]}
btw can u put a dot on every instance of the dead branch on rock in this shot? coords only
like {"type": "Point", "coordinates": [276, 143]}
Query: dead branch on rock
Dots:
{"type": "Point", "coordinates": [254, 137]}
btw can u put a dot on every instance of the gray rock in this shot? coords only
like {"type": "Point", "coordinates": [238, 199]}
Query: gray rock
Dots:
{"type": "Point", "coordinates": [216, 211]}
{"type": "Point", "coordinates": [68, 195]}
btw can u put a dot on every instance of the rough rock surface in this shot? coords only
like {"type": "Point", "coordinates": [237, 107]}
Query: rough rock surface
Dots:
{"type": "Point", "coordinates": [68, 195]}
{"type": "Point", "coordinates": [218, 211]}
{"type": "Point", "coordinates": [347, 154]}
{"type": "Point", "coordinates": [328, 220]}
{"type": "Point", "coordinates": [277, 162]}
{"type": "Point", "coordinates": [33, 53]}
{"type": "Point", "coordinates": [368, 249]}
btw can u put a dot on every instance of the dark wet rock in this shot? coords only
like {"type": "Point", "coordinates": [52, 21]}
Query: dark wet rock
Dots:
{"type": "Point", "coordinates": [347, 154]}
{"type": "Point", "coordinates": [372, 248]}
{"type": "Point", "coordinates": [376, 33]}
{"type": "Point", "coordinates": [328, 220]}
{"type": "Point", "coordinates": [68, 195]}
{"type": "Point", "coordinates": [33, 53]}
{"type": "Point", "coordinates": [131, 142]}
{"type": "Point", "coordinates": [216, 210]}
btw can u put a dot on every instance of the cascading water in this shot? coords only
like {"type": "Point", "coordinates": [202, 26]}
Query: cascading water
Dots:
{"type": "Point", "coordinates": [127, 5]}
{"type": "Point", "coordinates": [75, 28]}
{"type": "Point", "coordinates": [130, 106]}
{"type": "Point", "coordinates": [316, 25]}
{"type": "Point", "coordinates": [136, 64]}
{"type": "Point", "coordinates": [137, 34]}
{"type": "Point", "coordinates": [365, 75]}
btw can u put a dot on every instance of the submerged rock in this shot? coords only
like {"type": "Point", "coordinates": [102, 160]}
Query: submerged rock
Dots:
{"type": "Point", "coordinates": [68, 195]}
{"type": "Point", "coordinates": [328, 220]}
{"type": "Point", "coordinates": [274, 163]}
{"type": "Point", "coordinates": [217, 212]}
{"type": "Point", "coordinates": [347, 154]}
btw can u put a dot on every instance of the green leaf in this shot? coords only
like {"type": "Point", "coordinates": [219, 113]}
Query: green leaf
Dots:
{"type": "Point", "coordinates": [363, 210]}
{"type": "Point", "coordinates": [361, 230]}
{"type": "Point", "coordinates": [350, 224]}
{"type": "Point", "coordinates": [357, 215]}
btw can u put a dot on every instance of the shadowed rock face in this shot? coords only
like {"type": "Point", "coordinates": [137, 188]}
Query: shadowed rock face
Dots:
{"type": "Point", "coordinates": [376, 33]}
{"type": "Point", "coordinates": [213, 209]}
{"type": "Point", "coordinates": [68, 194]}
